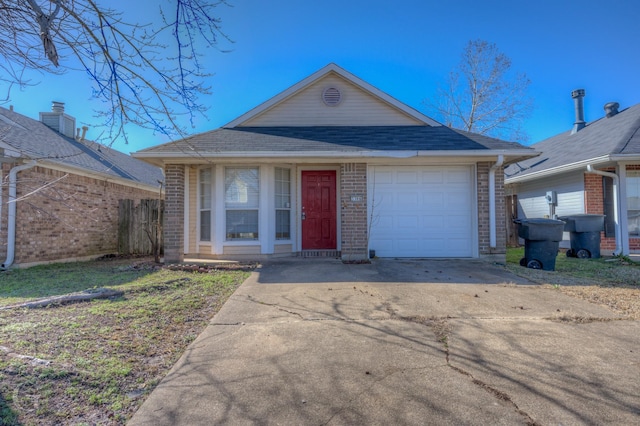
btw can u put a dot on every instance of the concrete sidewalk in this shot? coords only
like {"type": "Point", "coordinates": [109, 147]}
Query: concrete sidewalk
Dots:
{"type": "Point", "coordinates": [315, 341]}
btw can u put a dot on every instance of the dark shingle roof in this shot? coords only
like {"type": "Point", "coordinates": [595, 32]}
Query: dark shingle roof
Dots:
{"type": "Point", "coordinates": [333, 138]}
{"type": "Point", "coordinates": [616, 135]}
{"type": "Point", "coordinates": [34, 140]}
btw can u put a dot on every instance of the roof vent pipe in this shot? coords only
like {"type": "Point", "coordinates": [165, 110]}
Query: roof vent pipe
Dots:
{"type": "Point", "coordinates": [578, 96]}
{"type": "Point", "coordinates": [57, 107]}
{"type": "Point", "coordinates": [611, 109]}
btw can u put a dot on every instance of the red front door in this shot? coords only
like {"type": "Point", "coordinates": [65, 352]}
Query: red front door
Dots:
{"type": "Point", "coordinates": [319, 210]}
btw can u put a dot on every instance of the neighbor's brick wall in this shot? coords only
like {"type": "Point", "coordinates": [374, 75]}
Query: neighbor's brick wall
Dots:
{"type": "Point", "coordinates": [75, 217]}
{"type": "Point", "coordinates": [594, 204]}
{"type": "Point", "coordinates": [174, 213]}
{"type": "Point", "coordinates": [484, 243]}
{"type": "Point", "coordinates": [353, 181]}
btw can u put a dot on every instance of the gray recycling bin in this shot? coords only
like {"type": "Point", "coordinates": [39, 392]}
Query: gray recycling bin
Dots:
{"type": "Point", "coordinates": [541, 240]}
{"type": "Point", "coordinates": [584, 233]}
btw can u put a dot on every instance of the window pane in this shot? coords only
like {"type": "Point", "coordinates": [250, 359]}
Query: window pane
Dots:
{"type": "Point", "coordinates": [283, 188]}
{"type": "Point", "coordinates": [241, 187]}
{"type": "Point", "coordinates": [633, 203]}
{"type": "Point", "coordinates": [205, 225]}
{"type": "Point", "coordinates": [242, 224]}
{"type": "Point", "coordinates": [205, 188]}
{"type": "Point", "coordinates": [283, 224]}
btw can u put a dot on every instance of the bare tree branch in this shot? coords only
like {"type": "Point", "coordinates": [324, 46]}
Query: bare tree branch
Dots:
{"type": "Point", "coordinates": [483, 96]}
{"type": "Point", "coordinates": [147, 74]}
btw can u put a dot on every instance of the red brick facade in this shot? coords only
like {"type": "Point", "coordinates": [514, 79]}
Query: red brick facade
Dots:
{"type": "Point", "coordinates": [484, 243]}
{"type": "Point", "coordinates": [174, 213]}
{"type": "Point", "coordinates": [63, 216]}
{"type": "Point", "coordinates": [353, 183]}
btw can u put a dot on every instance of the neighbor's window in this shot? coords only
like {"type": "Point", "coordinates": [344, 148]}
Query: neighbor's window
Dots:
{"type": "Point", "coordinates": [241, 199]}
{"type": "Point", "coordinates": [205, 204]}
{"type": "Point", "coordinates": [283, 203]}
{"type": "Point", "coordinates": [633, 203]}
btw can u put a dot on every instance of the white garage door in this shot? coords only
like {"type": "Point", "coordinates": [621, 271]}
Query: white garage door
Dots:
{"type": "Point", "coordinates": [422, 211]}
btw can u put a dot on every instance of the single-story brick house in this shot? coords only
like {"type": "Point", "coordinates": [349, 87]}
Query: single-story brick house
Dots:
{"type": "Point", "coordinates": [334, 166]}
{"type": "Point", "coordinates": [60, 192]}
{"type": "Point", "coordinates": [593, 168]}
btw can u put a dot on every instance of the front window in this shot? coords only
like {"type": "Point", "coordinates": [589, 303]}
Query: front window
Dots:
{"type": "Point", "coordinates": [283, 204]}
{"type": "Point", "coordinates": [242, 196]}
{"type": "Point", "coordinates": [205, 204]}
{"type": "Point", "coordinates": [633, 203]}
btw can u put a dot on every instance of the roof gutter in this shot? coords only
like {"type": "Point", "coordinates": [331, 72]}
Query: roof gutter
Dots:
{"type": "Point", "coordinates": [616, 210]}
{"type": "Point", "coordinates": [492, 200]}
{"type": "Point", "coordinates": [580, 165]}
{"type": "Point", "coordinates": [11, 221]}
{"type": "Point", "coordinates": [337, 154]}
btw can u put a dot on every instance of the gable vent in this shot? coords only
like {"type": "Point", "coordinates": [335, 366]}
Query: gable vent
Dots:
{"type": "Point", "coordinates": [331, 96]}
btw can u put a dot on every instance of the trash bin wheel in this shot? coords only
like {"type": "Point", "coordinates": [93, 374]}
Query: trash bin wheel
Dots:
{"type": "Point", "coordinates": [583, 254]}
{"type": "Point", "coordinates": [523, 261]}
{"type": "Point", "coordinates": [571, 253]}
{"type": "Point", "coordinates": [534, 264]}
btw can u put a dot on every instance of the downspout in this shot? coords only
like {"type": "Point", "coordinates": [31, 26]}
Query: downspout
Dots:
{"type": "Point", "coordinates": [492, 200]}
{"type": "Point", "coordinates": [11, 220]}
{"type": "Point", "coordinates": [616, 212]}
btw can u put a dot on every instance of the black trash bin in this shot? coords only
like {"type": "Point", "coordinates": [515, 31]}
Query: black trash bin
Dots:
{"type": "Point", "coordinates": [584, 231]}
{"type": "Point", "coordinates": [541, 240]}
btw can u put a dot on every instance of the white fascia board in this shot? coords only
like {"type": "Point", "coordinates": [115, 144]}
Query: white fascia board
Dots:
{"type": "Point", "coordinates": [626, 158]}
{"type": "Point", "coordinates": [184, 158]}
{"type": "Point", "coordinates": [559, 169]}
{"type": "Point", "coordinates": [316, 76]}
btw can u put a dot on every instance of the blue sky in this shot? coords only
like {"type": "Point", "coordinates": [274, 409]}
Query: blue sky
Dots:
{"type": "Point", "coordinates": [403, 47]}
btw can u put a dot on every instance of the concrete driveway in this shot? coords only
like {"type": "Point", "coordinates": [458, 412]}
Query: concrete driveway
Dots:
{"type": "Point", "coordinates": [318, 342]}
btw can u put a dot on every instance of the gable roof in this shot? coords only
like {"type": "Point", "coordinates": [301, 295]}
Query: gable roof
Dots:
{"type": "Point", "coordinates": [30, 139]}
{"type": "Point", "coordinates": [321, 73]}
{"type": "Point", "coordinates": [424, 137]}
{"type": "Point", "coordinates": [604, 140]}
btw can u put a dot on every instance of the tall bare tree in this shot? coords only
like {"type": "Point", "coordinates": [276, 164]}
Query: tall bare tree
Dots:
{"type": "Point", "coordinates": [147, 74]}
{"type": "Point", "coordinates": [483, 95]}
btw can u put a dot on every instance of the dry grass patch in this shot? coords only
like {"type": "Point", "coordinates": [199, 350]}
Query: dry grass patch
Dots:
{"type": "Point", "coordinates": [613, 282]}
{"type": "Point", "coordinates": [94, 362]}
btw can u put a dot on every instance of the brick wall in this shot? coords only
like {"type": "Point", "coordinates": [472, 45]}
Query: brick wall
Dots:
{"type": "Point", "coordinates": [484, 243]}
{"type": "Point", "coordinates": [353, 182]}
{"type": "Point", "coordinates": [174, 213]}
{"type": "Point", "coordinates": [75, 217]}
{"type": "Point", "coordinates": [594, 204]}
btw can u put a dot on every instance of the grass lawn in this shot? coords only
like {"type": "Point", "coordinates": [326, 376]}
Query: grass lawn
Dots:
{"type": "Point", "coordinates": [94, 362]}
{"type": "Point", "coordinates": [571, 270]}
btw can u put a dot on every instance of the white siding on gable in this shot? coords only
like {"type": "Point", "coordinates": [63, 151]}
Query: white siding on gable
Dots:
{"type": "Point", "coordinates": [356, 108]}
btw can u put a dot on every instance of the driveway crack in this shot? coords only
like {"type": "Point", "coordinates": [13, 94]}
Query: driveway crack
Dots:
{"type": "Point", "coordinates": [442, 329]}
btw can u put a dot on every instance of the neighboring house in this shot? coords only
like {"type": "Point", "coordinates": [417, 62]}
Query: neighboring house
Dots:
{"type": "Point", "coordinates": [593, 168]}
{"type": "Point", "coordinates": [333, 166]}
{"type": "Point", "coordinates": [59, 194]}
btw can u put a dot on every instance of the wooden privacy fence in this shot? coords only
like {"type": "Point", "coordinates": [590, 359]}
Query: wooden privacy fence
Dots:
{"type": "Point", "coordinates": [140, 226]}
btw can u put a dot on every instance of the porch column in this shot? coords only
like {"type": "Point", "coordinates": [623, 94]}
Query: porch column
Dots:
{"type": "Point", "coordinates": [353, 208]}
{"type": "Point", "coordinates": [173, 228]}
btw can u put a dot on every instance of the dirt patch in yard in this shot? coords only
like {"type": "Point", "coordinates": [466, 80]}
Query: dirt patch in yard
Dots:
{"type": "Point", "coordinates": [611, 282]}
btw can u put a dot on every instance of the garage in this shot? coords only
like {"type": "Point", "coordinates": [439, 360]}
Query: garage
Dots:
{"type": "Point", "coordinates": [422, 211]}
